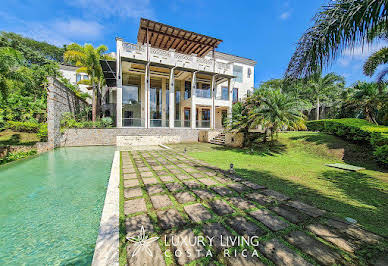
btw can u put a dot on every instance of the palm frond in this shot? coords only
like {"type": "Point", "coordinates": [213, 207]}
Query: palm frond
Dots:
{"type": "Point", "coordinates": [376, 59]}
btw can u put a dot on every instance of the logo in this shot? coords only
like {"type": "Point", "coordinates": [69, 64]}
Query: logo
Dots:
{"type": "Point", "coordinates": [142, 242]}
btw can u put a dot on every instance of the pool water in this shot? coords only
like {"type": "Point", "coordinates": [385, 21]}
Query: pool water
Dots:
{"type": "Point", "coordinates": [51, 205]}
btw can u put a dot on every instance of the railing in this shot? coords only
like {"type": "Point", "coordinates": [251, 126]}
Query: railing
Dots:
{"type": "Point", "coordinates": [203, 93]}
{"type": "Point", "coordinates": [182, 123]}
{"type": "Point", "coordinates": [159, 123]}
{"type": "Point", "coordinates": [223, 97]}
{"type": "Point", "coordinates": [133, 122]}
{"type": "Point", "coordinates": [203, 124]}
{"type": "Point", "coordinates": [130, 47]}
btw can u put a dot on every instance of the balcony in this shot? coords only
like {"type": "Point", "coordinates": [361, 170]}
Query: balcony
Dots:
{"type": "Point", "coordinates": [172, 58]}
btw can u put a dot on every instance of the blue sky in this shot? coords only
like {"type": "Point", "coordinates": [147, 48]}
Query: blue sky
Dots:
{"type": "Point", "coordinates": [266, 30]}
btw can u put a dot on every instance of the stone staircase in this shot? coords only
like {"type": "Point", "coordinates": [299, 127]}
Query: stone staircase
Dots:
{"type": "Point", "coordinates": [218, 140]}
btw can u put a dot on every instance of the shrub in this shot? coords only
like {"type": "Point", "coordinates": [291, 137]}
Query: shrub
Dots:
{"type": "Point", "coordinates": [357, 130]}
{"type": "Point", "coordinates": [69, 121]}
{"type": "Point", "coordinates": [22, 126]}
{"type": "Point", "coordinates": [107, 122]}
{"type": "Point", "coordinates": [42, 133]}
{"type": "Point", "coordinates": [13, 156]}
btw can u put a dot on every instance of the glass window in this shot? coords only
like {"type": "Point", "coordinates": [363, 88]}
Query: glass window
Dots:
{"type": "Point", "coordinates": [86, 77]}
{"type": "Point", "coordinates": [238, 72]}
{"type": "Point", "coordinates": [131, 106]}
{"type": "Point", "coordinates": [187, 90]}
{"type": "Point", "coordinates": [177, 103]}
{"type": "Point", "coordinates": [205, 114]}
{"type": "Point", "coordinates": [249, 72]}
{"type": "Point", "coordinates": [235, 95]}
{"type": "Point", "coordinates": [77, 77]}
{"type": "Point", "coordinates": [224, 93]}
{"type": "Point", "coordinates": [204, 92]}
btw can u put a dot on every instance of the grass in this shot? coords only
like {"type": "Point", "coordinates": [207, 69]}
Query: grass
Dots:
{"type": "Point", "coordinates": [9, 137]}
{"type": "Point", "coordinates": [295, 166]}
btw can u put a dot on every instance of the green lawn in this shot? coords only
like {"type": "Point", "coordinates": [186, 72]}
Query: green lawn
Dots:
{"type": "Point", "coordinates": [8, 137]}
{"type": "Point", "coordinates": [296, 166]}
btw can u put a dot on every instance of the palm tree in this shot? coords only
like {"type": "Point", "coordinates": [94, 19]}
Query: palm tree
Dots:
{"type": "Point", "coordinates": [87, 58]}
{"type": "Point", "coordinates": [321, 88]}
{"type": "Point", "coordinates": [340, 24]}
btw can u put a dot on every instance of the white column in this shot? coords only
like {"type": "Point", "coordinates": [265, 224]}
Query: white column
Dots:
{"type": "Point", "coordinates": [193, 97]}
{"type": "Point", "coordinates": [171, 114]}
{"type": "Point", "coordinates": [230, 90]}
{"type": "Point", "coordinates": [163, 101]}
{"type": "Point", "coordinates": [213, 107]}
{"type": "Point", "coordinates": [147, 97]}
{"type": "Point", "coordinates": [119, 84]}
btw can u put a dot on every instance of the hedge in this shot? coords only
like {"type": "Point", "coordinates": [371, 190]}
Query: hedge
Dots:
{"type": "Point", "coordinates": [357, 130]}
{"type": "Point", "coordinates": [22, 126]}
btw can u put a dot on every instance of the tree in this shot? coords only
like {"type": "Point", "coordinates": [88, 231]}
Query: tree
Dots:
{"type": "Point", "coordinates": [340, 24]}
{"type": "Point", "coordinates": [87, 58]}
{"type": "Point", "coordinates": [322, 88]}
{"type": "Point", "coordinates": [10, 63]}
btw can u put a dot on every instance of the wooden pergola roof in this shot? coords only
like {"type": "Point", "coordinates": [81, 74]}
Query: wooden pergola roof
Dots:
{"type": "Point", "coordinates": [167, 37]}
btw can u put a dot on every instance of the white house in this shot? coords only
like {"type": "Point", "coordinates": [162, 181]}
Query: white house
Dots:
{"type": "Point", "coordinates": [174, 78]}
{"type": "Point", "coordinates": [70, 73]}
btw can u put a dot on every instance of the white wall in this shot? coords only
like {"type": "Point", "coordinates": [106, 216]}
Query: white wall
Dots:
{"type": "Point", "coordinates": [69, 72]}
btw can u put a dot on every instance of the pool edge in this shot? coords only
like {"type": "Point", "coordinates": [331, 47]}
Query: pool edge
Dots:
{"type": "Point", "coordinates": [107, 245]}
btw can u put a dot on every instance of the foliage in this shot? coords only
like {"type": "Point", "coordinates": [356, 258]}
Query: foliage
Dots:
{"type": "Point", "coordinates": [339, 25]}
{"type": "Point", "coordinates": [70, 121]}
{"type": "Point", "coordinates": [356, 130]}
{"type": "Point", "coordinates": [106, 122]}
{"type": "Point", "coordinates": [377, 58]}
{"type": "Point", "coordinates": [42, 133]}
{"type": "Point", "coordinates": [22, 126]}
{"type": "Point", "coordinates": [13, 156]}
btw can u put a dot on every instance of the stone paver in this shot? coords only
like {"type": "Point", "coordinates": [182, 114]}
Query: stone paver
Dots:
{"type": "Point", "coordinates": [325, 233]}
{"type": "Point", "coordinates": [143, 258]}
{"type": "Point", "coordinates": [133, 206]}
{"type": "Point", "coordinates": [272, 222]}
{"type": "Point", "coordinates": [183, 177]}
{"type": "Point", "coordinates": [274, 194]}
{"type": "Point", "coordinates": [280, 254]}
{"type": "Point", "coordinates": [242, 203]}
{"type": "Point", "coordinates": [192, 184]}
{"type": "Point", "coordinates": [210, 173]}
{"type": "Point", "coordinates": [143, 169]}
{"type": "Point", "coordinates": [146, 174]}
{"type": "Point", "coordinates": [150, 180]}
{"type": "Point", "coordinates": [174, 187]}
{"type": "Point", "coordinates": [223, 191]}
{"type": "Point", "coordinates": [204, 194]}
{"type": "Point", "coordinates": [208, 181]}
{"type": "Point", "coordinates": [188, 251]}
{"type": "Point", "coordinates": [308, 209]}
{"type": "Point", "coordinates": [245, 227]}
{"type": "Point", "coordinates": [130, 176]}
{"type": "Point", "coordinates": [221, 207]}
{"type": "Point", "coordinates": [354, 231]}
{"type": "Point", "coordinates": [314, 248]}
{"type": "Point", "coordinates": [252, 185]}
{"type": "Point", "coordinates": [189, 169]}
{"type": "Point", "coordinates": [167, 178]}
{"type": "Point", "coordinates": [170, 166]}
{"type": "Point", "coordinates": [133, 225]}
{"type": "Point", "coordinates": [238, 187]}
{"type": "Point", "coordinates": [160, 201]}
{"type": "Point", "coordinates": [223, 181]}
{"type": "Point", "coordinates": [197, 175]}
{"type": "Point", "coordinates": [157, 167]}
{"type": "Point", "coordinates": [170, 218]}
{"type": "Point", "coordinates": [246, 260]}
{"type": "Point", "coordinates": [217, 231]}
{"type": "Point", "coordinates": [260, 198]}
{"type": "Point", "coordinates": [290, 214]}
{"type": "Point", "coordinates": [129, 171]}
{"type": "Point", "coordinates": [184, 197]}
{"type": "Point", "coordinates": [160, 173]}
{"type": "Point", "coordinates": [132, 192]}
{"type": "Point", "coordinates": [175, 171]}
{"type": "Point", "coordinates": [197, 212]}
{"type": "Point", "coordinates": [155, 189]}
{"type": "Point", "coordinates": [131, 183]}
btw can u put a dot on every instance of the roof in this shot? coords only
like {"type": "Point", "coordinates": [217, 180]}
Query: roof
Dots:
{"type": "Point", "coordinates": [109, 71]}
{"type": "Point", "coordinates": [235, 58]}
{"type": "Point", "coordinates": [167, 37]}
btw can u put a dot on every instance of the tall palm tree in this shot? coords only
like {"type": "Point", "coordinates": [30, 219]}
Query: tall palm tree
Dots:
{"type": "Point", "coordinates": [339, 25]}
{"type": "Point", "coordinates": [321, 88]}
{"type": "Point", "coordinates": [87, 58]}
{"type": "Point", "coordinates": [277, 111]}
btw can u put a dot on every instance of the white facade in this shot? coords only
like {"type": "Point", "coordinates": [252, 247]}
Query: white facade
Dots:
{"type": "Point", "coordinates": [70, 73]}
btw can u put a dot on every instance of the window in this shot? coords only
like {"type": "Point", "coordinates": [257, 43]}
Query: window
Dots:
{"type": "Point", "coordinates": [235, 95]}
{"type": "Point", "coordinates": [238, 72]}
{"type": "Point", "coordinates": [204, 92]}
{"type": "Point", "coordinates": [249, 72]}
{"type": "Point", "coordinates": [78, 77]}
{"type": "Point", "coordinates": [187, 89]}
{"type": "Point", "coordinates": [205, 115]}
{"type": "Point", "coordinates": [86, 77]}
{"type": "Point", "coordinates": [224, 93]}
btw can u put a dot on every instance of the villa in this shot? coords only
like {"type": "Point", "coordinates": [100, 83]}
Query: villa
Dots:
{"type": "Point", "coordinates": [173, 78]}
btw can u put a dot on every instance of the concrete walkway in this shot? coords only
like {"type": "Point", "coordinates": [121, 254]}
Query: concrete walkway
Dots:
{"type": "Point", "coordinates": [193, 212]}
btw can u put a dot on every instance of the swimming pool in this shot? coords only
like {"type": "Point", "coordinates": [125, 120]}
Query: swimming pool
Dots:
{"type": "Point", "coordinates": [50, 206]}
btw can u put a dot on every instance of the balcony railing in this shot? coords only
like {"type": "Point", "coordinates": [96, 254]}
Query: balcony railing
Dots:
{"type": "Point", "coordinates": [203, 124]}
{"type": "Point", "coordinates": [170, 57]}
{"type": "Point", "coordinates": [133, 122]}
{"type": "Point", "coordinates": [159, 123]}
{"type": "Point", "coordinates": [203, 93]}
{"type": "Point", "coordinates": [182, 123]}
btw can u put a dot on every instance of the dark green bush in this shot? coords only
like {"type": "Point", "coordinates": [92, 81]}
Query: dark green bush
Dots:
{"type": "Point", "coordinates": [22, 126]}
{"type": "Point", "coordinates": [14, 156]}
{"type": "Point", "coordinates": [357, 130]}
{"type": "Point", "coordinates": [42, 133]}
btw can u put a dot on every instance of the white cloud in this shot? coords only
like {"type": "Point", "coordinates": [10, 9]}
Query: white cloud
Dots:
{"type": "Point", "coordinates": [110, 8]}
{"type": "Point", "coordinates": [362, 52]}
{"type": "Point", "coordinates": [76, 28]}
{"type": "Point", "coordinates": [285, 15]}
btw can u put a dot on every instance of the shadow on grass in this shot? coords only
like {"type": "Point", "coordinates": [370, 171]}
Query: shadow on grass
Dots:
{"type": "Point", "coordinates": [355, 154]}
{"type": "Point", "coordinates": [15, 139]}
{"type": "Point", "coordinates": [262, 149]}
{"type": "Point", "coordinates": [373, 212]}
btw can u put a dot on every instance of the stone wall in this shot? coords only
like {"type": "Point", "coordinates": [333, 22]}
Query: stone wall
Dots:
{"type": "Point", "coordinates": [234, 139]}
{"type": "Point", "coordinates": [107, 136]}
{"type": "Point", "coordinates": [60, 99]}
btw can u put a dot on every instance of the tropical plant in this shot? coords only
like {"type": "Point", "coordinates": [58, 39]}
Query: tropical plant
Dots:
{"type": "Point", "coordinates": [339, 25]}
{"type": "Point", "coordinates": [10, 63]}
{"type": "Point", "coordinates": [324, 88]}
{"type": "Point", "coordinates": [87, 58]}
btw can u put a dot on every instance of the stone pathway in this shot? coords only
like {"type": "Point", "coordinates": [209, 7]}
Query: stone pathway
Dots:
{"type": "Point", "coordinates": [203, 215]}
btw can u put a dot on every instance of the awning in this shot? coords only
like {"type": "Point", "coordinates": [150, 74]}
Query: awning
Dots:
{"type": "Point", "coordinates": [167, 37]}
{"type": "Point", "coordinates": [109, 71]}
